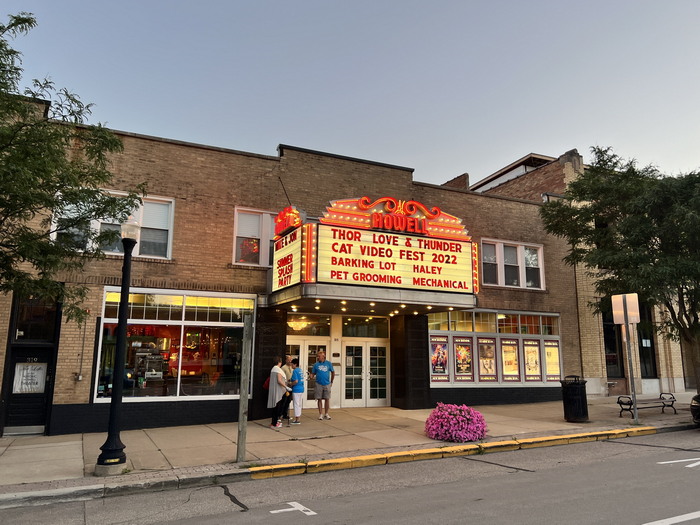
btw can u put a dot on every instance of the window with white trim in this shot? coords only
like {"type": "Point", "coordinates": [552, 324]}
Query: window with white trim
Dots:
{"type": "Point", "coordinates": [253, 232]}
{"type": "Point", "coordinates": [510, 264]}
{"type": "Point", "coordinates": [155, 216]}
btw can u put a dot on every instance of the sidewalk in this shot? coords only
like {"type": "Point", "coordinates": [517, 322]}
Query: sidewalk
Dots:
{"type": "Point", "coordinates": [36, 469]}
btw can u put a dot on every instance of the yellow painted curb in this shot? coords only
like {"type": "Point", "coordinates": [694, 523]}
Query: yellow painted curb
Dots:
{"type": "Point", "coordinates": [583, 437]}
{"type": "Point", "coordinates": [261, 472]}
{"type": "Point", "coordinates": [399, 457]}
{"type": "Point", "coordinates": [614, 434]}
{"type": "Point", "coordinates": [642, 431]}
{"type": "Point", "coordinates": [289, 469]}
{"type": "Point", "coordinates": [499, 446]}
{"type": "Point", "coordinates": [460, 450]}
{"type": "Point", "coordinates": [368, 461]}
{"type": "Point", "coordinates": [543, 442]}
{"type": "Point", "coordinates": [326, 465]}
{"type": "Point", "coordinates": [427, 453]}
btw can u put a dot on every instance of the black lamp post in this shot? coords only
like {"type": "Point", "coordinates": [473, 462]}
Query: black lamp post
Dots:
{"type": "Point", "coordinates": [113, 449]}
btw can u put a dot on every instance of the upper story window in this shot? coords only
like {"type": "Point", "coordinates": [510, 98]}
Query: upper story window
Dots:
{"type": "Point", "coordinates": [508, 264]}
{"type": "Point", "coordinates": [253, 237]}
{"type": "Point", "coordinates": [155, 216]}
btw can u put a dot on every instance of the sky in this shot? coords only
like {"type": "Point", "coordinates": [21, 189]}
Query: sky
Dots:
{"type": "Point", "coordinates": [441, 86]}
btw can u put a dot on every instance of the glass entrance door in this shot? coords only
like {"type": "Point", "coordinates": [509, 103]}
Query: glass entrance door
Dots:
{"type": "Point", "coordinates": [365, 365]}
{"type": "Point", "coordinates": [305, 350]}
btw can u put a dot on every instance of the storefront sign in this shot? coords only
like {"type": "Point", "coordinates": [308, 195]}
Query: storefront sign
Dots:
{"type": "Point", "coordinates": [371, 258]}
{"type": "Point", "coordinates": [286, 220]}
{"type": "Point", "coordinates": [30, 378]}
{"type": "Point", "coordinates": [287, 260]}
{"type": "Point", "coordinates": [386, 242]}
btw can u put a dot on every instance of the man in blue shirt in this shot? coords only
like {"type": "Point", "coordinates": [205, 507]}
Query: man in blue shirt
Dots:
{"type": "Point", "coordinates": [324, 375]}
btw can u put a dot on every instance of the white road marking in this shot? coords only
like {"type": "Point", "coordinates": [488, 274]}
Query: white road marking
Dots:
{"type": "Point", "coordinates": [293, 505]}
{"type": "Point", "coordinates": [682, 461]}
{"type": "Point", "coordinates": [676, 519]}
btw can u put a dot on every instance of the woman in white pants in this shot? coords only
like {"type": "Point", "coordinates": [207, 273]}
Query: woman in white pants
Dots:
{"type": "Point", "coordinates": [297, 383]}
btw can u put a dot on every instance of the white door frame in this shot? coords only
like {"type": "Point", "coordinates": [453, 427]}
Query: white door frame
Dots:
{"type": "Point", "coordinates": [366, 376]}
{"type": "Point", "coordinates": [304, 342]}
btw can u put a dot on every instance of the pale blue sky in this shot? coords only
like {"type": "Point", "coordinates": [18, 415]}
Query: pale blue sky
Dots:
{"type": "Point", "coordinates": [442, 86]}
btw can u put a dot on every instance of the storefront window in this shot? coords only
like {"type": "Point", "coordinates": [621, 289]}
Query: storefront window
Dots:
{"type": "Point", "coordinates": [550, 325]}
{"type": "Point", "coordinates": [171, 357]}
{"type": "Point", "coordinates": [508, 323]}
{"type": "Point", "coordinates": [530, 324]}
{"type": "Point", "coordinates": [497, 348]}
{"type": "Point", "coordinates": [462, 321]}
{"type": "Point", "coordinates": [439, 321]}
{"type": "Point", "coordinates": [366, 327]}
{"type": "Point", "coordinates": [485, 322]}
{"type": "Point", "coordinates": [158, 364]}
{"type": "Point", "coordinates": [314, 325]}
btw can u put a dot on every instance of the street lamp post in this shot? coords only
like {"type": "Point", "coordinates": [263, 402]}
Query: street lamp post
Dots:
{"type": "Point", "coordinates": [112, 458]}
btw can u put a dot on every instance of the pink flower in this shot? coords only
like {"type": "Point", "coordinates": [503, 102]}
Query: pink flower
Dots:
{"type": "Point", "coordinates": [457, 423]}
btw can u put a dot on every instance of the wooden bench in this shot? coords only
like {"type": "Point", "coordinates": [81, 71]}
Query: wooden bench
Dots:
{"type": "Point", "coordinates": [664, 400]}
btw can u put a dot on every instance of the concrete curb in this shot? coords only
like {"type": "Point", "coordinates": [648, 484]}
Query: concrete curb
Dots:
{"type": "Point", "coordinates": [224, 474]}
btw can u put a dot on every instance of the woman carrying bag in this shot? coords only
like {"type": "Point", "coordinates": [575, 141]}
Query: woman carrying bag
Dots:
{"type": "Point", "coordinates": [278, 396]}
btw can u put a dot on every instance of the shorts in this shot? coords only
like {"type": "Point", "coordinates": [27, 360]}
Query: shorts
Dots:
{"type": "Point", "coordinates": [322, 391]}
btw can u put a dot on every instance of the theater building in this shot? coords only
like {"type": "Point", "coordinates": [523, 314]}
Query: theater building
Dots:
{"type": "Point", "coordinates": [418, 293]}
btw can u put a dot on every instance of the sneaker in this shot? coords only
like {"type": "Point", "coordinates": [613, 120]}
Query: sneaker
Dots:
{"type": "Point", "coordinates": [327, 417]}
{"type": "Point", "coordinates": [320, 417]}
{"type": "Point", "coordinates": [278, 425]}
{"type": "Point", "coordinates": [274, 427]}
{"type": "Point", "coordinates": [296, 422]}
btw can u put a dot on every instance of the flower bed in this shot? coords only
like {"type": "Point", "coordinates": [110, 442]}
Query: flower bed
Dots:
{"type": "Point", "coordinates": [456, 423]}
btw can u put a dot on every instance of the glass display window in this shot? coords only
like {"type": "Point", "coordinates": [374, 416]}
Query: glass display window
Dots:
{"type": "Point", "coordinates": [463, 359]}
{"type": "Point", "coordinates": [170, 357]}
{"type": "Point", "coordinates": [488, 364]}
{"type": "Point", "coordinates": [532, 361]}
{"type": "Point", "coordinates": [439, 358]}
{"type": "Point", "coordinates": [510, 359]}
{"type": "Point", "coordinates": [552, 362]}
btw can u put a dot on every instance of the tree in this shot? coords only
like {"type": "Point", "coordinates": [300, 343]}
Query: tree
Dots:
{"type": "Point", "coordinates": [54, 171]}
{"type": "Point", "coordinates": [635, 230]}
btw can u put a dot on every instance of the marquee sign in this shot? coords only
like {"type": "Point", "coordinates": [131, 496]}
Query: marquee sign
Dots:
{"type": "Point", "coordinates": [386, 242]}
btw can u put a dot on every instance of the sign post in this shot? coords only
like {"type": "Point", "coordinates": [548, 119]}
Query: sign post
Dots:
{"type": "Point", "coordinates": [245, 383]}
{"type": "Point", "coordinates": [625, 313]}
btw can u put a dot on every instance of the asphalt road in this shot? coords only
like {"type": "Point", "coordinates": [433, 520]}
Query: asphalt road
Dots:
{"type": "Point", "coordinates": [640, 480]}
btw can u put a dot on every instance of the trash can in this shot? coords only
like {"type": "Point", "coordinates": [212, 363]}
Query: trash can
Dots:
{"type": "Point", "coordinates": [573, 393]}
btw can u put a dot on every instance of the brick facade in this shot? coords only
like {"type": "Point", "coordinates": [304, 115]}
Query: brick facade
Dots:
{"type": "Point", "coordinates": [207, 184]}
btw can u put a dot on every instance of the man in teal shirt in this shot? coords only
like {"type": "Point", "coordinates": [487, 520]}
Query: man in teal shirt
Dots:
{"type": "Point", "coordinates": [324, 374]}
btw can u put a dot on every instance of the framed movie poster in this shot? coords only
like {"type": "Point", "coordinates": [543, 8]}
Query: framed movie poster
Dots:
{"type": "Point", "coordinates": [487, 359]}
{"type": "Point", "coordinates": [464, 362]}
{"type": "Point", "coordinates": [439, 371]}
{"type": "Point", "coordinates": [533, 368]}
{"type": "Point", "coordinates": [551, 352]}
{"type": "Point", "coordinates": [510, 360]}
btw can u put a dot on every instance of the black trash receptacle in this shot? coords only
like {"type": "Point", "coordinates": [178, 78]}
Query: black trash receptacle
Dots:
{"type": "Point", "coordinates": [573, 393]}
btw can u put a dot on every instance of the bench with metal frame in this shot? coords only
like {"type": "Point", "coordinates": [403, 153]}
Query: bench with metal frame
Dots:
{"type": "Point", "coordinates": [665, 400]}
